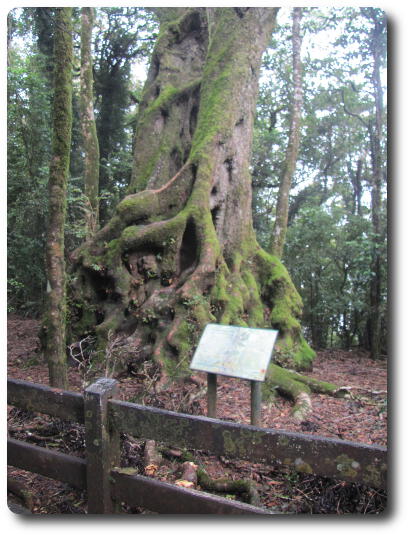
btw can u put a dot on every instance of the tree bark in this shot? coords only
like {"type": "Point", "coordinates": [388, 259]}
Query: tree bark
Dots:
{"type": "Point", "coordinates": [54, 322]}
{"type": "Point", "coordinates": [289, 165]}
{"type": "Point", "coordinates": [180, 251]}
{"type": "Point", "coordinates": [377, 178]}
{"type": "Point", "coordinates": [88, 126]}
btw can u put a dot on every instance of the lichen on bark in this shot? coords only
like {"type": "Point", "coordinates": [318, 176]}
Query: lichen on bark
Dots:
{"type": "Point", "coordinates": [54, 320]}
{"type": "Point", "coordinates": [88, 125]}
{"type": "Point", "coordinates": [181, 251]}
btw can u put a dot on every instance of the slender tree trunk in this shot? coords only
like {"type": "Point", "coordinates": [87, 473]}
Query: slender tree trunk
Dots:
{"type": "Point", "coordinates": [377, 178]}
{"type": "Point", "coordinates": [88, 127]}
{"type": "Point", "coordinates": [282, 205]}
{"type": "Point", "coordinates": [55, 318]}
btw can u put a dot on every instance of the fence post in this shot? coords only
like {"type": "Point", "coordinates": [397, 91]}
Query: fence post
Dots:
{"type": "Point", "coordinates": [102, 445]}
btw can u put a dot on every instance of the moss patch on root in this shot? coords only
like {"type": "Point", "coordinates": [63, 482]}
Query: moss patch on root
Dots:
{"type": "Point", "coordinates": [297, 387]}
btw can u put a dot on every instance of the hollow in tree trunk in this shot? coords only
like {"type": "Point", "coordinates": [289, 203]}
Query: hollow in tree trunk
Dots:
{"type": "Point", "coordinates": [180, 251]}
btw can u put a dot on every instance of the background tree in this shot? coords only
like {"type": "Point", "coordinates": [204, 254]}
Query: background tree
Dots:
{"type": "Point", "coordinates": [29, 96]}
{"type": "Point", "coordinates": [377, 45]}
{"type": "Point", "coordinates": [123, 36]}
{"type": "Point", "coordinates": [333, 172]}
{"type": "Point", "coordinates": [54, 322]}
{"type": "Point", "coordinates": [289, 163]}
{"type": "Point", "coordinates": [89, 131]}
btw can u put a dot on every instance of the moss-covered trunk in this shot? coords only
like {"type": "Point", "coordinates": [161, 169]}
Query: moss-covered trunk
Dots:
{"type": "Point", "coordinates": [53, 326]}
{"type": "Point", "coordinates": [181, 251]}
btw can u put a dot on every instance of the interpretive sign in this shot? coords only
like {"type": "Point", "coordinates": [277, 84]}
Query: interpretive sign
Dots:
{"type": "Point", "coordinates": [235, 351]}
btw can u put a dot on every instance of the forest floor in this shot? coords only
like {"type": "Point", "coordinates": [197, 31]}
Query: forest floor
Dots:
{"type": "Point", "coordinates": [361, 418]}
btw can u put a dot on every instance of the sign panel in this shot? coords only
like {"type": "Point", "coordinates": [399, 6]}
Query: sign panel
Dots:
{"type": "Point", "coordinates": [235, 351]}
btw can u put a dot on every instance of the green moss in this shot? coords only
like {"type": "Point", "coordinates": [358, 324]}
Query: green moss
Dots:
{"type": "Point", "coordinates": [304, 355]}
{"type": "Point", "coordinates": [127, 470]}
{"type": "Point", "coordinates": [280, 294]}
{"type": "Point", "coordinates": [86, 324]}
{"type": "Point", "coordinates": [154, 235]}
{"type": "Point", "coordinates": [282, 316]}
{"type": "Point", "coordinates": [219, 292]}
{"type": "Point", "coordinates": [373, 475]}
{"type": "Point", "coordinates": [113, 252]}
{"type": "Point", "coordinates": [241, 444]}
{"type": "Point", "coordinates": [346, 466]}
{"type": "Point", "coordinates": [138, 207]}
{"type": "Point", "coordinates": [182, 339]}
{"type": "Point", "coordinates": [283, 380]}
{"type": "Point", "coordinates": [302, 466]}
{"type": "Point", "coordinates": [222, 72]}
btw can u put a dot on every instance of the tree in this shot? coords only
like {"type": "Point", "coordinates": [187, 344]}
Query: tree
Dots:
{"type": "Point", "coordinates": [53, 326]}
{"type": "Point", "coordinates": [124, 35]}
{"type": "Point", "coordinates": [331, 257]}
{"type": "Point", "coordinates": [377, 46]}
{"type": "Point", "coordinates": [180, 250]}
{"type": "Point", "coordinates": [371, 48]}
{"type": "Point", "coordinates": [334, 176]}
{"type": "Point", "coordinates": [89, 131]}
{"type": "Point", "coordinates": [29, 97]}
{"type": "Point", "coordinates": [289, 164]}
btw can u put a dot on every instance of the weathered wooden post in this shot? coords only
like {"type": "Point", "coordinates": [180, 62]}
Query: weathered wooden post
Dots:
{"type": "Point", "coordinates": [256, 402]}
{"type": "Point", "coordinates": [102, 445]}
{"type": "Point", "coordinates": [212, 387]}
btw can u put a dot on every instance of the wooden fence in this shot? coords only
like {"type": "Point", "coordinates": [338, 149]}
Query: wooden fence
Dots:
{"type": "Point", "coordinates": [105, 417]}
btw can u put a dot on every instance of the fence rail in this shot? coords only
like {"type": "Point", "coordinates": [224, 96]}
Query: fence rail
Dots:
{"type": "Point", "coordinates": [105, 418]}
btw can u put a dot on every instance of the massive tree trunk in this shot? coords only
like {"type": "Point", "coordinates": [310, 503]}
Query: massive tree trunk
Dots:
{"type": "Point", "coordinates": [53, 326]}
{"type": "Point", "coordinates": [88, 127]}
{"type": "Point", "coordinates": [181, 251]}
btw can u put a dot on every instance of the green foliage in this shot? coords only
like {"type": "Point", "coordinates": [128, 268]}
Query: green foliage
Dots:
{"type": "Point", "coordinates": [28, 128]}
{"type": "Point", "coordinates": [122, 36]}
{"type": "Point", "coordinates": [330, 235]}
{"type": "Point", "coordinates": [329, 258]}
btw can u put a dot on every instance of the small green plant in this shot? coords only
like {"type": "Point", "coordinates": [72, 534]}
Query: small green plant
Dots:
{"type": "Point", "coordinates": [148, 316]}
{"type": "Point", "coordinates": [96, 267]}
{"type": "Point", "coordinates": [195, 300]}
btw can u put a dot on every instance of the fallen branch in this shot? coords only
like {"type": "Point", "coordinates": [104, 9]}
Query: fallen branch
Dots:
{"type": "Point", "coordinates": [152, 458]}
{"type": "Point", "coordinates": [237, 486]}
{"type": "Point", "coordinates": [189, 478]}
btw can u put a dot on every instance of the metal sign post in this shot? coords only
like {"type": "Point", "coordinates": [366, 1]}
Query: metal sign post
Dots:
{"type": "Point", "coordinates": [235, 351]}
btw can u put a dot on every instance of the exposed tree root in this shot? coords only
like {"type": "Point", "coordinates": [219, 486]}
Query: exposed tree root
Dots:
{"type": "Point", "coordinates": [237, 486]}
{"type": "Point", "coordinates": [298, 387]}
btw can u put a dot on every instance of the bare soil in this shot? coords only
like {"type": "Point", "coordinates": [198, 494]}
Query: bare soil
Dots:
{"type": "Point", "coordinates": [362, 418]}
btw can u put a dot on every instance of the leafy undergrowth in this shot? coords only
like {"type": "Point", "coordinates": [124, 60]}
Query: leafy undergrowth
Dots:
{"type": "Point", "coordinates": [362, 418]}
